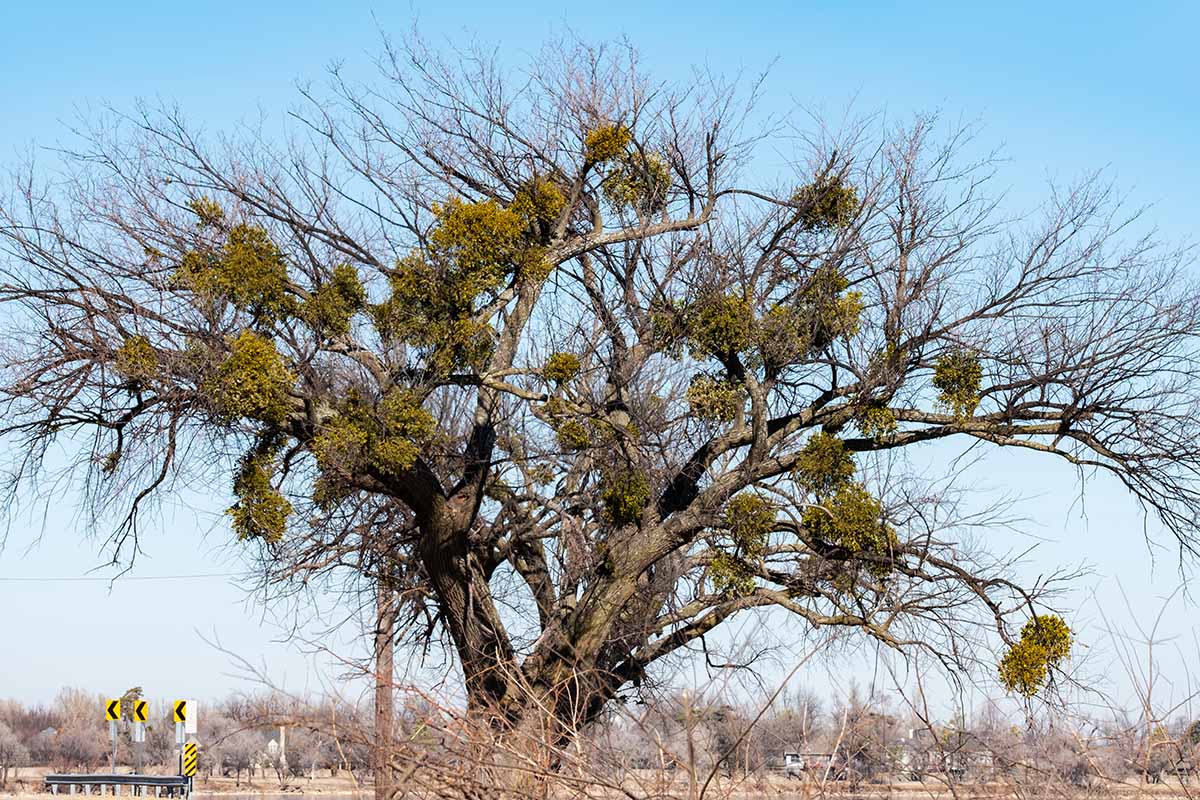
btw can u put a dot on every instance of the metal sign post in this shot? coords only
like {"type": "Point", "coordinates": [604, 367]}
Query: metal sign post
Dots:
{"type": "Point", "coordinates": [179, 713]}
{"type": "Point", "coordinates": [191, 753]}
{"type": "Point", "coordinates": [138, 733]}
{"type": "Point", "coordinates": [138, 736]}
{"type": "Point", "coordinates": [112, 712]}
{"type": "Point", "coordinates": [179, 740]}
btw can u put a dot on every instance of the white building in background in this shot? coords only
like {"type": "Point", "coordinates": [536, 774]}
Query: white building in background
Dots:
{"type": "Point", "coordinates": [274, 754]}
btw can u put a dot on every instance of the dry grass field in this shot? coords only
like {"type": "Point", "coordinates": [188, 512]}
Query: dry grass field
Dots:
{"type": "Point", "coordinates": [28, 783]}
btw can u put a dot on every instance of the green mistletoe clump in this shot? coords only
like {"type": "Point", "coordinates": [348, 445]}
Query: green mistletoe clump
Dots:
{"type": "Point", "coordinates": [136, 359]}
{"type": "Point", "coordinates": [606, 142]}
{"type": "Point", "coordinates": [624, 495]}
{"type": "Point", "coordinates": [384, 438]}
{"type": "Point", "coordinates": [957, 376]}
{"type": "Point", "coordinates": [473, 250]}
{"type": "Point", "coordinates": [331, 305]}
{"type": "Point", "coordinates": [639, 181]}
{"type": "Point", "coordinates": [561, 367]}
{"type": "Point", "coordinates": [261, 511]}
{"type": "Point", "coordinates": [714, 400]}
{"type": "Point", "coordinates": [823, 464]}
{"type": "Point", "coordinates": [573, 435]}
{"type": "Point", "coordinates": [749, 520]}
{"type": "Point", "coordinates": [845, 513]}
{"type": "Point", "coordinates": [246, 269]}
{"type": "Point", "coordinates": [252, 382]}
{"type": "Point", "coordinates": [1045, 641]}
{"type": "Point", "coordinates": [826, 203]}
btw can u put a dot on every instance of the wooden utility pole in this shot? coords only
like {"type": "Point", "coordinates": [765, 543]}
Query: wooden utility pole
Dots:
{"type": "Point", "coordinates": [385, 650]}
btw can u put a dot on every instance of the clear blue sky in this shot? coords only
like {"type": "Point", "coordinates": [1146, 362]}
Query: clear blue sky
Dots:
{"type": "Point", "coordinates": [1063, 88]}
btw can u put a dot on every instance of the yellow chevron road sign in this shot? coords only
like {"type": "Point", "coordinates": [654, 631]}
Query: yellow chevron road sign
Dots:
{"type": "Point", "coordinates": [191, 754]}
{"type": "Point", "coordinates": [112, 710]}
{"type": "Point", "coordinates": [139, 710]}
{"type": "Point", "coordinates": [179, 711]}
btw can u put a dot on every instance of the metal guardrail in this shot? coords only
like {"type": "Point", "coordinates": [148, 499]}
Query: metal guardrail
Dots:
{"type": "Point", "coordinates": [162, 785]}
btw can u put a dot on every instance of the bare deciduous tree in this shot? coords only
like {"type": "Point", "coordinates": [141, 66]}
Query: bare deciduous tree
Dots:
{"type": "Point", "coordinates": [13, 754]}
{"type": "Point", "coordinates": [622, 384]}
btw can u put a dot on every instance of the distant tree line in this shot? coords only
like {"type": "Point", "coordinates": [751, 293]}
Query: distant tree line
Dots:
{"type": "Point", "coordinates": [887, 738]}
{"type": "Point", "coordinates": [239, 737]}
{"type": "Point", "coordinates": [861, 737]}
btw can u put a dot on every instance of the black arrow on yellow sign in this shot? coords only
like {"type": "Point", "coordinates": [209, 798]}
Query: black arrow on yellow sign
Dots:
{"type": "Point", "coordinates": [179, 712]}
{"type": "Point", "coordinates": [139, 711]}
{"type": "Point", "coordinates": [112, 712]}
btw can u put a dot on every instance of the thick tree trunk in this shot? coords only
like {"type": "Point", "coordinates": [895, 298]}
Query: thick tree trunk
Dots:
{"type": "Point", "coordinates": [385, 649]}
{"type": "Point", "coordinates": [469, 612]}
{"type": "Point", "coordinates": [526, 713]}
